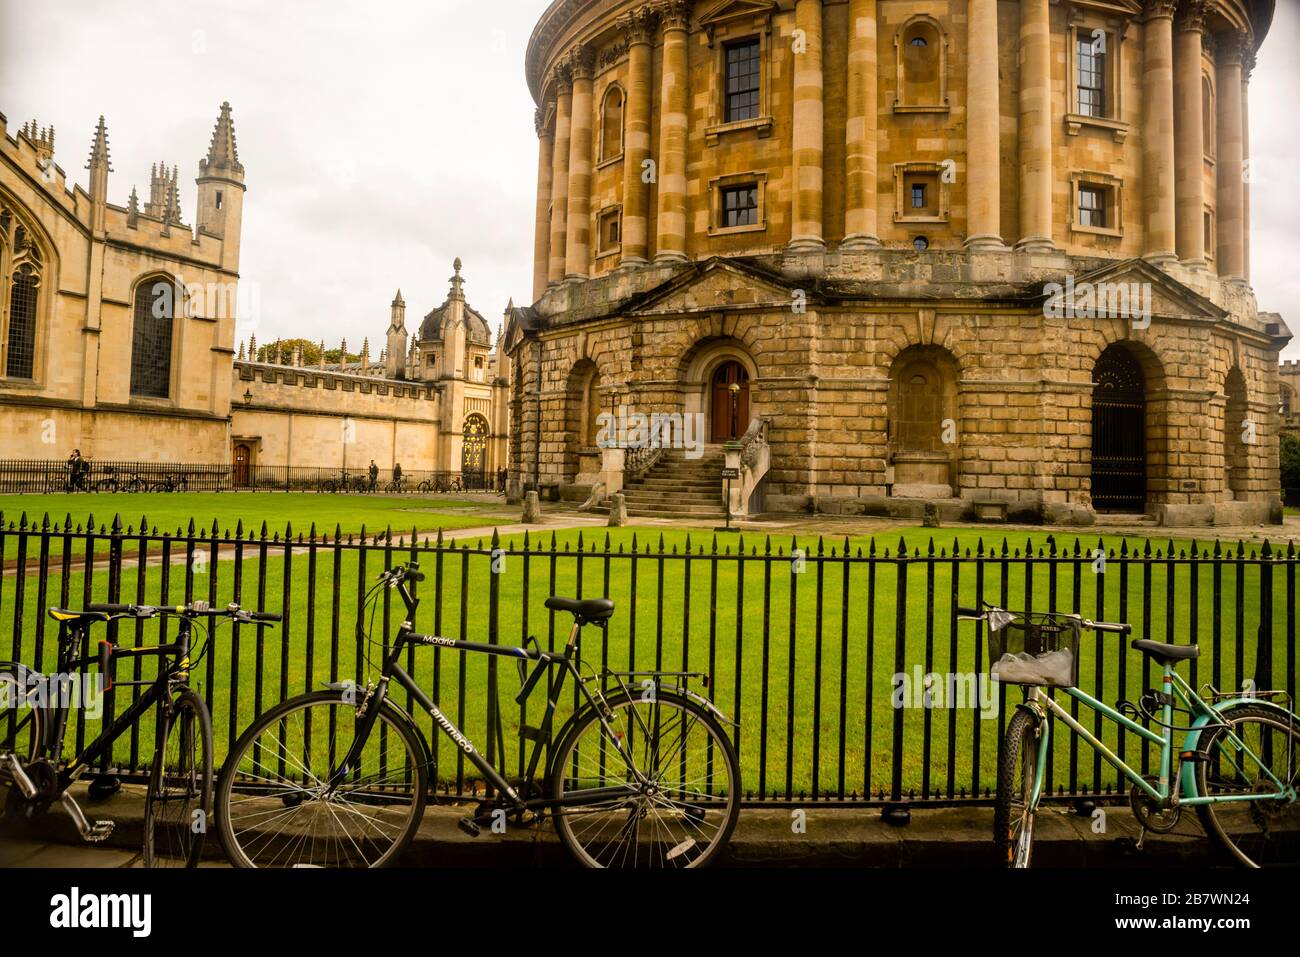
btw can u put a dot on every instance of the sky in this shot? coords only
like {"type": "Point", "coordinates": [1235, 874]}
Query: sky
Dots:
{"type": "Point", "coordinates": [382, 140]}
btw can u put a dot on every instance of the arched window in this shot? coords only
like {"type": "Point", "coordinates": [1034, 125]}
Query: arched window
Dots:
{"type": "Point", "coordinates": [611, 124]}
{"type": "Point", "coordinates": [20, 267]}
{"type": "Point", "coordinates": [921, 53]}
{"type": "Point", "coordinates": [1238, 435]}
{"type": "Point", "coordinates": [151, 337]}
{"type": "Point", "coordinates": [1207, 115]}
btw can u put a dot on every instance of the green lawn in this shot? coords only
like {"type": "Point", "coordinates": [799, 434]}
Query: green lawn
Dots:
{"type": "Point", "coordinates": [169, 512]}
{"type": "Point", "coordinates": [687, 613]}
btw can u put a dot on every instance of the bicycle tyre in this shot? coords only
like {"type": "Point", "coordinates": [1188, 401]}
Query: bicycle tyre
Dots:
{"type": "Point", "coordinates": [680, 848]}
{"type": "Point", "coordinates": [255, 848]}
{"type": "Point", "coordinates": [1229, 824]}
{"type": "Point", "coordinates": [180, 783]}
{"type": "Point", "coordinates": [1013, 819]}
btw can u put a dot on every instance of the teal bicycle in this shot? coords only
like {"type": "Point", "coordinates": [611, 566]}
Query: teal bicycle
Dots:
{"type": "Point", "coordinates": [1237, 764]}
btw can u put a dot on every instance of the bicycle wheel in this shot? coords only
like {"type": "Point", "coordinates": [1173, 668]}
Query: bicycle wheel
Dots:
{"type": "Point", "coordinates": [1013, 814]}
{"type": "Point", "coordinates": [1264, 833]}
{"type": "Point", "coordinates": [274, 804]}
{"type": "Point", "coordinates": [20, 726]}
{"type": "Point", "coordinates": [178, 805]}
{"type": "Point", "coordinates": [669, 798]}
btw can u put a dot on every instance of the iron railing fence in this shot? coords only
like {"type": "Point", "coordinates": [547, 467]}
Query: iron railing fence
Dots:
{"type": "Point", "coordinates": [845, 666]}
{"type": "Point", "coordinates": [46, 476]}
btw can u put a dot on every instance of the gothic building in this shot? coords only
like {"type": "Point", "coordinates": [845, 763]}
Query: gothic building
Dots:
{"type": "Point", "coordinates": [991, 254]}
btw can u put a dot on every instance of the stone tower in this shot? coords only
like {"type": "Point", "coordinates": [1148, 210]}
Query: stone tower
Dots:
{"type": "Point", "coordinates": [221, 189]}
{"type": "Point", "coordinates": [395, 367]}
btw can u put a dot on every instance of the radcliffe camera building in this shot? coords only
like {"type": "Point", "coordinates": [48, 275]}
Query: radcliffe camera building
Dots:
{"type": "Point", "coordinates": [837, 229]}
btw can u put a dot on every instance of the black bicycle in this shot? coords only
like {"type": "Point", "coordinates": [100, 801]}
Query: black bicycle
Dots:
{"type": "Point", "coordinates": [642, 775]}
{"type": "Point", "coordinates": [34, 711]}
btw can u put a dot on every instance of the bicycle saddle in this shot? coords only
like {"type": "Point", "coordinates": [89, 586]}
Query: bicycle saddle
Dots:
{"type": "Point", "coordinates": [583, 609]}
{"type": "Point", "coordinates": [80, 618]}
{"type": "Point", "coordinates": [1162, 652]}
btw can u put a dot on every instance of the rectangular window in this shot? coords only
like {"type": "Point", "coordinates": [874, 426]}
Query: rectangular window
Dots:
{"type": "Point", "coordinates": [740, 205]}
{"type": "Point", "coordinates": [918, 196]}
{"type": "Point", "coordinates": [218, 199]}
{"type": "Point", "coordinates": [742, 80]}
{"type": "Point", "coordinates": [1092, 207]}
{"type": "Point", "coordinates": [610, 231]}
{"type": "Point", "coordinates": [1091, 79]}
{"type": "Point", "coordinates": [1209, 235]}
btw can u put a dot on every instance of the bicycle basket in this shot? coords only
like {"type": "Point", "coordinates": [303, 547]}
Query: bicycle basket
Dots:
{"type": "Point", "coordinates": [1036, 649]}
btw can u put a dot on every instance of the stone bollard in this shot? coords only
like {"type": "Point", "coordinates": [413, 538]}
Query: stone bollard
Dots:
{"type": "Point", "coordinates": [532, 509]}
{"type": "Point", "coordinates": [931, 519]}
{"type": "Point", "coordinates": [617, 510]}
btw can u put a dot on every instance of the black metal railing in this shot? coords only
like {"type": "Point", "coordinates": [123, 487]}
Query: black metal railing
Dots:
{"type": "Point", "coordinates": [845, 666]}
{"type": "Point", "coordinates": [59, 475]}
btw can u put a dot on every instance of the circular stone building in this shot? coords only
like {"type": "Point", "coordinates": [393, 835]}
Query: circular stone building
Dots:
{"type": "Point", "coordinates": [992, 254]}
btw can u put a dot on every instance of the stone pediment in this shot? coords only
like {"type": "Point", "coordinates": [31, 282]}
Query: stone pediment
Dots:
{"type": "Point", "coordinates": [715, 284]}
{"type": "Point", "coordinates": [1137, 286]}
{"type": "Point", "coordinates": [729, 10]}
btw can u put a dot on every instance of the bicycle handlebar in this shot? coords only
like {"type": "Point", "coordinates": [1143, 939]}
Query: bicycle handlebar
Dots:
{"type": "Point", "coordinates": [192, 610]}
{"type": "Point", "coordinates": [1113, 627]}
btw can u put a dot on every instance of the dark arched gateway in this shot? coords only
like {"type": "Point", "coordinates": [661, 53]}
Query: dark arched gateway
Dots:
{"type": "Point", "coordinates": [1119, 439]}
{"type": "Point", "coordinates": [473, 453]}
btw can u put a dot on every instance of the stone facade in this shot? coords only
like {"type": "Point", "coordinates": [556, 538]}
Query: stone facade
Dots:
{"type": "Point", "coordinates": [1289, 388]}
{"type": "Point", "coordinates": [76, 271]}
{"type": "Point", "coordinates": [97, 352]}
{"type": "Point", "coordinates": [921, 180]}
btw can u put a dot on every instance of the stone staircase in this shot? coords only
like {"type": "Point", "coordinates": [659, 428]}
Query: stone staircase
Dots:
{"type": "Point", "coordinates": [679, 488]}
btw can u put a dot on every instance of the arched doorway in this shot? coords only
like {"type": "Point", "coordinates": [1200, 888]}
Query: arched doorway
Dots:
{"type": "Point", "coordinates": [243, 465]}
{"type": "Point", "coordinates": [1119, 440]}
{"type": "Point", "coordinates": [1238, 434]}
{"type": "Point", "coordinates": [730, 406]}
{"type": "Point", "coordinates": [473, 452]}
{"type": "Point", "coordinates": [922, 423]}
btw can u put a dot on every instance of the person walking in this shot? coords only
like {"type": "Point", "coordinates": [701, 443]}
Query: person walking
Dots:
{"type": "Point", "coordinates": [374, 476]}
{"type": "Point", "coordinates": [397, 476]}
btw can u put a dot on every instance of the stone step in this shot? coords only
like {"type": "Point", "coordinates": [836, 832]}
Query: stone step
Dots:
{"type": "Point", "coordinates": [681, 512]}
{"type": "Point", "coordinates": [673, 483]}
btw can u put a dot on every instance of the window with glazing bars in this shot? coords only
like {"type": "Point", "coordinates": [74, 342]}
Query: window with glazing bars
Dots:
{"type": "Point", "coordinates": [1092, 76]}
{"type": "Point", "coordinates": [151, 344]}
{"type": "Point", "coordinates": [22, 325]}
{"type": "Point", "coordinates": [743, 70]}
{"type": "Point", "coordinates": [740, 206]}
{"type": "Point", "coordinates": [1092, 207]}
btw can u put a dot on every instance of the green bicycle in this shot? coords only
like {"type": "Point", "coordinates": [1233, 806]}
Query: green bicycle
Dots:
{"type": "Point", "coordinates": [1237, 765]}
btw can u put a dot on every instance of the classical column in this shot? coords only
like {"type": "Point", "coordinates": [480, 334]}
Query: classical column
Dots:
{"type": "Point", "coordinates": [1035, 127]}
{"type": "Point", "coordinates": [542, 227]}
{"type": "Point", "coordinates": [639, 29]}
{"type": "Point", "coordinates": [806, 218]}
{"type": "Point", "coordinates": [1190, 135]}
{"type": "Point", "coordinates": [1247, 67]}
{"type": "Point", "coordinates": [674, 102]}
{"type": "Point", "coordinates": [983, 122]}
{"type": "Point", "coordinates": [1229, 154]}
{"type": "Point", "coordinates": [577, 250]}
{"type": "Point", "coordinates": [1158, 130]}
{"type": "Point", "coordinates": [860, 129]}
{"type": "Point", "coordinates": [562, 84]}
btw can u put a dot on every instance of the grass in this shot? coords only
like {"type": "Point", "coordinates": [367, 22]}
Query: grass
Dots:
{"type": "Point", "coordinates": [797, 734]}
{"type": "Point", "coordinates": [170, 512]}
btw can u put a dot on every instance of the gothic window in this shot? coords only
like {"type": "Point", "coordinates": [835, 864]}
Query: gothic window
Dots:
{"type": "Point", "coordinates": [21, 269]}
{"type": "Point", "coordinates": [743, 66]}
{"type": "Point", "coordinates": [151, 338]}
{"type": "Point", "coordinates": [611, 124]}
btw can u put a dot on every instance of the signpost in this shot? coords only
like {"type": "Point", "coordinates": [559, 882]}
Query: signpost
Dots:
{"type": "Point", "coordinates": [728, 474]}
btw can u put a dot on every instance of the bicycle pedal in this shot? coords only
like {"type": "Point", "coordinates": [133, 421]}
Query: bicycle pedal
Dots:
{"type": "Point", "coordinates": [469, 826]}
{"type": "Point", "coordinates": [99, 831]}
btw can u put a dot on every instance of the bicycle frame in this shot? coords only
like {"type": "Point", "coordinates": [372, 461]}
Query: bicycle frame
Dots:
{"type": "Point", "coordinates": [1166, 793]}
{"type": "Point", "coordinates": [370, 706]}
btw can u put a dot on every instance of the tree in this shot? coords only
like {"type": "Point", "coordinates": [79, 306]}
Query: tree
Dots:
{"type": "Point", "coordinates": [1290, 466]}
{"type": "Point", "coordinates": [281, 352]}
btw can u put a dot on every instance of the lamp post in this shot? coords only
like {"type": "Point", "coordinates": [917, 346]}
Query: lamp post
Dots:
{"type": "Point", "coordinates": [734, 389]}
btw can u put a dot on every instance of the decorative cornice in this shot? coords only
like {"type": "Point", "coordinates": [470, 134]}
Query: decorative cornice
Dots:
{"type": "Point", "coordinates": [561, 79]}
{"type": "Point", "coordinates": [612, 54]}
{"type": "Point", "coordinates": [639, 25]}
{"type": "Point", "coordinates": [540, 124]}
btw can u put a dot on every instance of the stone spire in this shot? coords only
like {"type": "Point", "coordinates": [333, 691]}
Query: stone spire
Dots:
{"type": "Point", "coordinates": [252, 348]}
{"type": "Point", "coordinates": [223, 154]}
{"type": "Point", "coordinates": [99, 151]}
{"type": "Point", "coordinates": [321, 361]}
{"type": "Point", "coordinates": [133, 209]}
{"type": "Point", "coordinates": [457, 283]}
